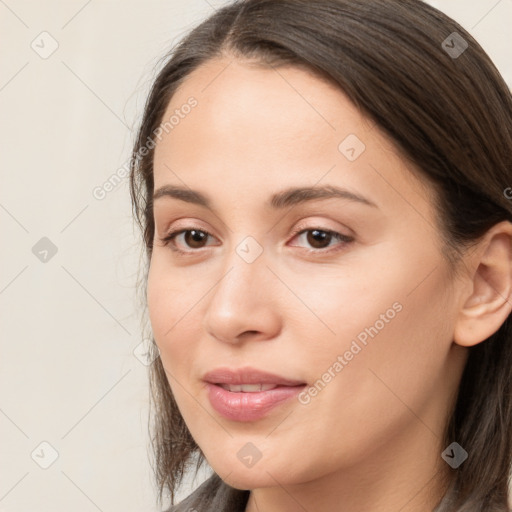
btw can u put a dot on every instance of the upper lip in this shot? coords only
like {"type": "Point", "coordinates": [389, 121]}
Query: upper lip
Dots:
{"type": "Point", "coordinates": [247, 375]}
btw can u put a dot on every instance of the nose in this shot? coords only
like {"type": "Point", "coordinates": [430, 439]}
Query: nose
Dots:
{"type": "Point", "coordinates": [243, 303]}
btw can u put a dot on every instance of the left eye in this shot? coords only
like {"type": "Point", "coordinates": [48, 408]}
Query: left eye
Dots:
{"type": "Point", "coordinates": [322, 238]}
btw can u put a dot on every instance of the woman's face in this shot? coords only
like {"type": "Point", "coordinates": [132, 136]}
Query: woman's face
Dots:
{"type": "Point", "coordinates": [346, 293]}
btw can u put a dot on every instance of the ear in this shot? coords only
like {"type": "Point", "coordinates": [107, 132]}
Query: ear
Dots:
{"type": "Point", "coordinates": [489, 301]}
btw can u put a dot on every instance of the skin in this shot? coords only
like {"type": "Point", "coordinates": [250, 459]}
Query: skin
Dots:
{"type": "Point", "coordinates": [371, 439]}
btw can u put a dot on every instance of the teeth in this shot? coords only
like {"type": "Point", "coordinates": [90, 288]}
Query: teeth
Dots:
{"type": "Point", "coordinates": [248, 388]}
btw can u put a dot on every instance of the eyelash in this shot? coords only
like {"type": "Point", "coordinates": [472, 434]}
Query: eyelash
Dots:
{"type": "Point", "coordinates": [168, 240]}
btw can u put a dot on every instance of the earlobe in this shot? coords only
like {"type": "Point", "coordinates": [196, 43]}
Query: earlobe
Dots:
{"type": "Point", "coordinates": [489, 302]}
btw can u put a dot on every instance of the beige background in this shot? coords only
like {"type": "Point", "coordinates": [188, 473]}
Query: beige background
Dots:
{"type": "Point", "coordinates": [70, 325]}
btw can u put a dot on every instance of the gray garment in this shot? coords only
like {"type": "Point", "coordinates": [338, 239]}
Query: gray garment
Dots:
{"type": "Point", "coordinates": [213, 495]}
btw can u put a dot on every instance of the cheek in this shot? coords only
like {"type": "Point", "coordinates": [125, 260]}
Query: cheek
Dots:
{"type": "Point", "coordinates": [158, 300]}
{"type": "Point", "coordinates": [164, 306]}
{"type": "Point", "coordinates": [387, 355]}
{"type": "Point", "coordinates": [374, 334]}
{"type": "Point", "coordinates": [173, 306]}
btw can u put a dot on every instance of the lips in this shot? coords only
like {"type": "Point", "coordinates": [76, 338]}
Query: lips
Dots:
{"type": "Point", "coordinates": [248, 375]}
{"type": "Point", "coordinates": [247, 388]}
{"type": "Point", "coordinates": [248, 394]}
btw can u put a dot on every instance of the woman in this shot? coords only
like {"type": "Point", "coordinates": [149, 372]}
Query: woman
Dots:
{"type": "Point", "coordinates": [322, 190]}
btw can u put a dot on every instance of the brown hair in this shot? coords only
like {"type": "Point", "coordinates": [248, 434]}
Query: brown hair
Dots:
{"type": "Point", "coordinates": [450, 115]}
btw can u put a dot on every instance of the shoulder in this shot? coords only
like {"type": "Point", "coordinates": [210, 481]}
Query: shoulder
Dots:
{"type": "Point", "coordinates": [213, 495]}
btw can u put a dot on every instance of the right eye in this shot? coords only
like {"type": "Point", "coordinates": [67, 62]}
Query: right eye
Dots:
{"type": "Point", "coordinates": [191, 237]}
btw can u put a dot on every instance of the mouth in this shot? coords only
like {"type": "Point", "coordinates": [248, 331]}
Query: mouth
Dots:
{"type": "Point", "coordinates": [247, 376]}
{"type": "Point", "coordinates": [247, 388]}
{"type": "Point", "coordinates": [248, 394]}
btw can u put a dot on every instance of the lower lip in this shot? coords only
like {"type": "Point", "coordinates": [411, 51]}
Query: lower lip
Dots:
{"type": "Point", "coordinates": [239, 406]}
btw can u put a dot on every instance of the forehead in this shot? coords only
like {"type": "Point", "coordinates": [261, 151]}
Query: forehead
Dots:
{"type": "Point", "coordinates": [256, 129]}
{"type": "Point", "coordinates": [242, 100]}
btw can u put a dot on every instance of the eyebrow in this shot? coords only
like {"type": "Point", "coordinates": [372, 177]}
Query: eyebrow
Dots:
{"type": "Point", "coordinates": [288, 197]}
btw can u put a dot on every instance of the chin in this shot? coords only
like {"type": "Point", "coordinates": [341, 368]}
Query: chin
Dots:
{"type": "Point", "coordinates": [248, 479]}
{"type": "Point", "coordinates": [265, 472]}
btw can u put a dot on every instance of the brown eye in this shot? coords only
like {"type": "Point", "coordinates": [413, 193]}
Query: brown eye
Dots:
{"type": "Point", "coordinates": [194, 238]}
{"type": "Point", "coordinates": [189, 239]}
{"type": "Point", "coordinates": [318, 239]}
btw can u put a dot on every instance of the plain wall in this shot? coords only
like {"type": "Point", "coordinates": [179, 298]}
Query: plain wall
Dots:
{"type": "Point", "coordinates": [70, 319]}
